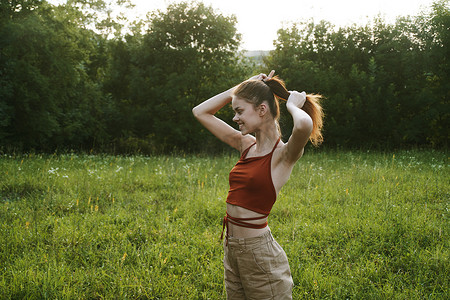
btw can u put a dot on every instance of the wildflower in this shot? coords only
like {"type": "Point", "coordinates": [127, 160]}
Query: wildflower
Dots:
{"type": "Point", "coordinates": [53, 171]}
{"type": "Point", "coordinates": [27, 224]}
{"type": "Point", "coordinates": [124, 256]}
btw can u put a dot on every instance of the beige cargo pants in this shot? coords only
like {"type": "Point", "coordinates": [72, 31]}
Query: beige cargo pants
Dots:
{"type": "Point", "coordinates": [256, 268]}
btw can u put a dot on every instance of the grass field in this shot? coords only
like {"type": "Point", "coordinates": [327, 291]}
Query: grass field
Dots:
{"type": "Point", "coordinates": [355, 225]}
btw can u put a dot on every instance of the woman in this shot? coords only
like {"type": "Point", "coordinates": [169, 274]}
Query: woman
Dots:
{"type": "Point", "coordinates": [256, 267]}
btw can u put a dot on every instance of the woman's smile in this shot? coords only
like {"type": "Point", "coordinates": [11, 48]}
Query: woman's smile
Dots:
{"type": "Point", "coordinates": [244, 112]}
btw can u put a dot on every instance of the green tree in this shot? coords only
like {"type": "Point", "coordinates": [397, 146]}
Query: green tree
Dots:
{"type": "Point", "coordinates": [435, 95]}
{"type": "Point", "coordinates": [47, 94]}
{"type": "Point", "coordinates": [188, 53]}
{"type": "Point", "coordinates": [385, 84]}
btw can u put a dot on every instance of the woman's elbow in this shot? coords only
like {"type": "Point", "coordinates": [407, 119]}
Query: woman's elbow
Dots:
{"type": "Point", "coordinates": [196, 112]}
{"type": "Point", "coordinates": [304, 125]}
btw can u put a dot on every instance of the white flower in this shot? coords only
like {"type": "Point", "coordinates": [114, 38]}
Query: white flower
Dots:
{"type": "Point", "coordinates": [53, 171]}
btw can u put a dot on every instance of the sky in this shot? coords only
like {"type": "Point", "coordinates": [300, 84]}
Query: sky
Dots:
{"type": "Point", "coordinates": [259, 20]}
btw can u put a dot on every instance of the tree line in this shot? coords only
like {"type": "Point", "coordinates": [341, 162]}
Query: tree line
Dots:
{"type": "Point", "coordinates": [73, 76]}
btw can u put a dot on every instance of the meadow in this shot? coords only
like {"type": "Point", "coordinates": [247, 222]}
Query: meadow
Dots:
{"type": "Point", "coordinates": [354, 225]}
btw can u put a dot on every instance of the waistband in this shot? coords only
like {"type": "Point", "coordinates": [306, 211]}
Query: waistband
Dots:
{"type": "Point", "coordinates": [249, 243]}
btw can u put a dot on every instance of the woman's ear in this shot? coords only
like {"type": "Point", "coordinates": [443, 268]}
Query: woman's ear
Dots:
{"type": "Point", "coordinates": [263, 109]}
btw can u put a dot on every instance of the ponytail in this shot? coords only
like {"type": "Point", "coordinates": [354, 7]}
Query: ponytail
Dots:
{"type": "Point", "coordinates": [312, 107]}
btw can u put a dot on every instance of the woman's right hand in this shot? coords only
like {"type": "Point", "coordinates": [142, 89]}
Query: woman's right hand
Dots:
{"type": "Point", "coordinates": [263, 76]}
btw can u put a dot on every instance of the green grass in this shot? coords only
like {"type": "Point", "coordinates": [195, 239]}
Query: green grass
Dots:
{"type": "Point", "coordinates": [355, 225]}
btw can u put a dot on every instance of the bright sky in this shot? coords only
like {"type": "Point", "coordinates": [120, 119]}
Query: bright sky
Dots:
{"type": "Point", "coordinates": [259, 20]}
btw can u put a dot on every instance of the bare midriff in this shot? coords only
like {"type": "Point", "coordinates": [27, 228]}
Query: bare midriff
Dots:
{"type": "Point", "coordinates": [243, 213]}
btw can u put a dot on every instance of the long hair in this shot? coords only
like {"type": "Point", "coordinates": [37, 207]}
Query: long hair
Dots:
{"type": "Point", "coordinates": [271, 90]}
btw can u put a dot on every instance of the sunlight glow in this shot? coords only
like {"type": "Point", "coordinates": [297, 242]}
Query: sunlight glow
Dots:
{"type": "Point", "coordinates": [258, 21]}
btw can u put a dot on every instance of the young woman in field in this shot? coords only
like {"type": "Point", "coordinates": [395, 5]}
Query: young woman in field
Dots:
{"type": "Point", "coordinates": [256, 267]}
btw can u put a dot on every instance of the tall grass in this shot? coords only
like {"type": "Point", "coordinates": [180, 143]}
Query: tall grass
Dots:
{"type": "Point", "coordinates": [356, 225]}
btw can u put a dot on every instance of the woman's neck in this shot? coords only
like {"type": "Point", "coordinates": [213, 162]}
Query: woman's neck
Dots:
{"type": "Point", "coordinates": [266, 138]}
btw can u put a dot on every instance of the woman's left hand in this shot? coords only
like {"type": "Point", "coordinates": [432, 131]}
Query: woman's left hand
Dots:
{"type": "Point", "coordinates": [297, 99]}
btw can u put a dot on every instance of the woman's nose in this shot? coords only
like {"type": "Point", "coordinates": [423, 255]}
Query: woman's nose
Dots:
{"type": "Point", "coordinates": [235, 118]}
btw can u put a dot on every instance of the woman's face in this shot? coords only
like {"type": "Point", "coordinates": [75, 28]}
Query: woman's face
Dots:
{"type": "Point", "coordinates": [245, 115]}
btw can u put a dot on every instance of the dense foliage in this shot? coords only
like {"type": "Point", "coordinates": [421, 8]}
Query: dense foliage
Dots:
{"type": "Point", "coordinates": [72, 77]}
{"type": "Point", "coordinates": [385, 84]}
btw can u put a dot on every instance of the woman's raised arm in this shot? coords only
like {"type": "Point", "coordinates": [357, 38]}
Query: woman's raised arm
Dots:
{"type": "Point", "coordinates": [303, 126]}
{"type": "Point", "coordinates": [205, 111]}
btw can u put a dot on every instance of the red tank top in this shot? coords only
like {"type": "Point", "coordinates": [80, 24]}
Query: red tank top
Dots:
{"type": "Point", "coordinates": [251, 185]}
